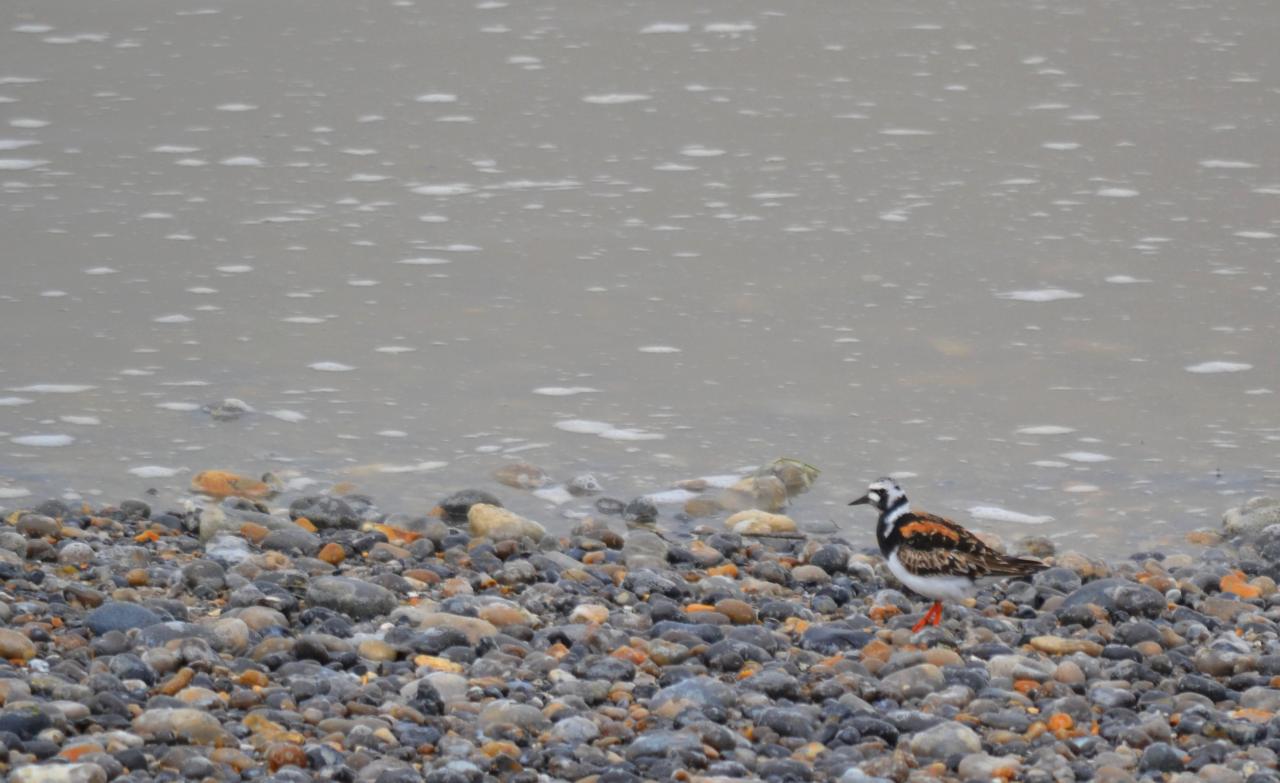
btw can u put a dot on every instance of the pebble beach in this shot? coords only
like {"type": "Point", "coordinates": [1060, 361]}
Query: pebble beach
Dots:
{"type": "Point", "coordinates": [246, 636]}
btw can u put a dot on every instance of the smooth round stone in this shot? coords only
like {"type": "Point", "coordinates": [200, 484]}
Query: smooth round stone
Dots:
{"type": "Point", "coordinates": [376, 650]}
{"type": "Point", "coordinates": [641, 511]}
{"type": "Point", "coordinates": [945, 740]}
{"type": "Point", "coordinates": [119, 616]}
{"type": "Point", "coordinates": [38, 526]}
{"type": "Point", "coordinates": [76, 553]}
{"type": "Point", "coordinates": [325, 512]}
{"type": "Point", "coordinates": [15, 645]}
{"type": "Point", "coordinates": [507, 712]}
{"type": "Point", "coordinates": [25, 720]}
{"type": "Point", "coordinates": [499, 524]}
{"type": "Point", "coordinates": [644, 549]}
{"type": "Point", "coordinates": [456, 506]}
{"type": "Point", "coordinates": [589, 613]}
{"type": "Point", "coordinates": [575, 730]}
{"type": "Point", "coordinates": [290, 541]}
{"type": "Point", "coordinates": [230, 634]}
{"type": "Point", "coordinates": [738, 612]}
{"type": "Point", "coordinates": [810, 574]}
{"type": "Point", "coordinates": [60, 773]}
{"type": "Point", "coordinates": [1162, 757]}
{"type": "Point", "coordinates": [192, 725]}
{"type": "Point", "coordinates": [356, 598]}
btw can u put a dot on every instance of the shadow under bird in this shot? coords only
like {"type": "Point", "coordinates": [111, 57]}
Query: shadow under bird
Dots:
{"type": "Point", "coordinates": [932, 555]}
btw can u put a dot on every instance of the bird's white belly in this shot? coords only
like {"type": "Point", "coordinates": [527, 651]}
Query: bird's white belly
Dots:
{"type": "Point", "coordinates": [952, 588]}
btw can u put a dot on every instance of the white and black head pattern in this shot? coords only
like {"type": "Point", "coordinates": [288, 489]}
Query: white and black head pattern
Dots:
{"type": "Point", "coordinates": [885, 494]}
{"type": "Point", "coordinates": [888, 498]}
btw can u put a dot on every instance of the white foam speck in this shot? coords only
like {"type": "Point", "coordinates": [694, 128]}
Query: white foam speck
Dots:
{"type": "Point", "coordinates": [699, 151]}
{"type": "Point", "coordinates": [1061, 145]}
{"type": "Point", "coordinates": [418, 467]}
{"type": "Point", "coordinates": [44, 441]}
{"type": "Point", "coordinates": [671, 496]}
{"type": "Point", "coordinates": [302, 319]}
{"type": "Point", "coordinates": [394, 349]}
{"type": "Point", "coordinates": [182, 407]}
{"type": "Point", "coordinates": [393, 433]}
{"type": "Point", "coordinates": [53, 388]}
{"type": "Point", "coordinates": [20, 164]}
{"type": "Point", "coordinates": [368, 178]}
{"type": "Point", "coordinates": [16, 144]}
{"type": "Point", "coordinates": [1040, 295]}
{"type": "Point", "coordinates": [449, 189]}
{"type": "Point", "coordinates": [674, 167]}
{"type": "Point", "coordinates": [1216, 367]}
{"type": "Point", "coordinates": [616, 98]}
{"type": "Point", "coordinates": [100, 270]}
{"type": "Point", "coordinates": [437, 97]}
{"type": "Point", "coordinates": [770, 195]}
{"type": "Point", "coordinates": [425, 261]}
{"type": "Point", "coordinates": [32, 28]}
{"type": "Point", "coordinates": [1045, 429]}
{"type": "Point", "coordinates": [10, 493]}
{"type": "Point", "coordinates": [241, 160]}
{"type": "Point", "coordinates": [1081, 488]}
{"type": "Point", "coordinates": [997, 514]}
{"type": "Point", "coordinates": [658, 349]}
{"type": "Point", "coordinates": [557, 495]}
{"type": "Point", "coordinates": [728, 27]}
{"type": "Point", "coordinates": [665, 27]}
{"type": "Point", "coordinates": [10, 402]}
{"type": "Point", "coordinates": [362, 283]}
{"type": "Point", "coordinates": [905, 132]}
{"type": "Point", "coordinates": [154, 471]}
{"type": "Point", "coordinates": [283, 414]}
{"type": "Point", "coordinates": [176, 318]}
{"type": "Point", "coordinates": [1125, 279]}
{"type": "Point", "coordinates": [28, 122]}
{"type": "Point", "coordinates": [1227, 164]}
{"type": "Point", "coordinates": [234, 269]}
{"type": "Point", "coordinates": [331, 367]}
{"type": "Point", "coordinates": [621, 433]}
{"type": "Point", "coordinates": [563, 391]}
{"type": "Point", "coordinates": [583, 426]}
{"type": "Point", "coordinates": [236, 107]}
{"type": "Point", "coordinates": [81, 420]}
{"type": "Point", "coordinates": [1049, 463]}
{"type": "Point", "coordinates": [175, 149]}
{"type": "Point", "coordinates": [1255, 234]}
{"type": "Point", "coordinates": [1085, 456]}
{"type": "Point", "coordinates": [1117, 192]}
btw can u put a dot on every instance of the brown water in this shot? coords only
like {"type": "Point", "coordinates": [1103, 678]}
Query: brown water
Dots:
{"type": "Point", "coordinates": [1023, 255]}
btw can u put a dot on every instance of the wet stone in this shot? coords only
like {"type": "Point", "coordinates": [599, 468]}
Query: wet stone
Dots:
{"type": "Point", "coordinates": [325, 512]}
{"type": "Point", "coordinates": [355, 598]}
{"type": "Point", "coordinates": [117, 616]}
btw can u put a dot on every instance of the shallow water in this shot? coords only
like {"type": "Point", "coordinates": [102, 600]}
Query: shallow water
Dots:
{"type": "Point", "coordinates": [1022, 255]}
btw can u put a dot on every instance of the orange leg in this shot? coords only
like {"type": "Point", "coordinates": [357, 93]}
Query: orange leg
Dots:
{"type": "Point", "coordinates": [934, 616]}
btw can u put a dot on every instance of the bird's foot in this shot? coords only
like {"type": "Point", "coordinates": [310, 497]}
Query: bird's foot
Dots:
{"type": "Point", "coordinates": [931, 617]}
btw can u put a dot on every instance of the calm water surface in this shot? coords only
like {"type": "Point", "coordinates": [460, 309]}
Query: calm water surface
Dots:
{"type": "Point", "coordinates": [1023, 255]}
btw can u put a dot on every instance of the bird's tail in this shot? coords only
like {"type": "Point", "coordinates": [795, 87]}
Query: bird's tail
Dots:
{"type": "Point", "coordinates": [1017, 566]}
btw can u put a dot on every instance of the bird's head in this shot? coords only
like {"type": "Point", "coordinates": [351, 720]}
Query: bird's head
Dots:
{"type": "Point", "coordinates": [883, 494]}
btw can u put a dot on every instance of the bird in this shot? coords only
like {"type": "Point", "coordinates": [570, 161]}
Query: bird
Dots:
{"type": "Point", "coordinates": [932, 555]}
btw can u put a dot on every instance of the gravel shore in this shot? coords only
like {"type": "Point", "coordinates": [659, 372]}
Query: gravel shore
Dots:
{"type": "Point", "coordinates": [237, 639]}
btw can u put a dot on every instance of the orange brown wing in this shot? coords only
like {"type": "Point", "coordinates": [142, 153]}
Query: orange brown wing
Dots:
{"type": "Point", "coordinates": [932, 545]}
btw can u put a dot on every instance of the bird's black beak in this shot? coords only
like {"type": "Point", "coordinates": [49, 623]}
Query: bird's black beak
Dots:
{"type": "Point", "coordinates": [860, 501]}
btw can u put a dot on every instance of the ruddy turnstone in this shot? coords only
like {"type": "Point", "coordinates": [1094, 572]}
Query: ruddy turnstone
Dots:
{"type": "Point", "coordinates": [932, 555]}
